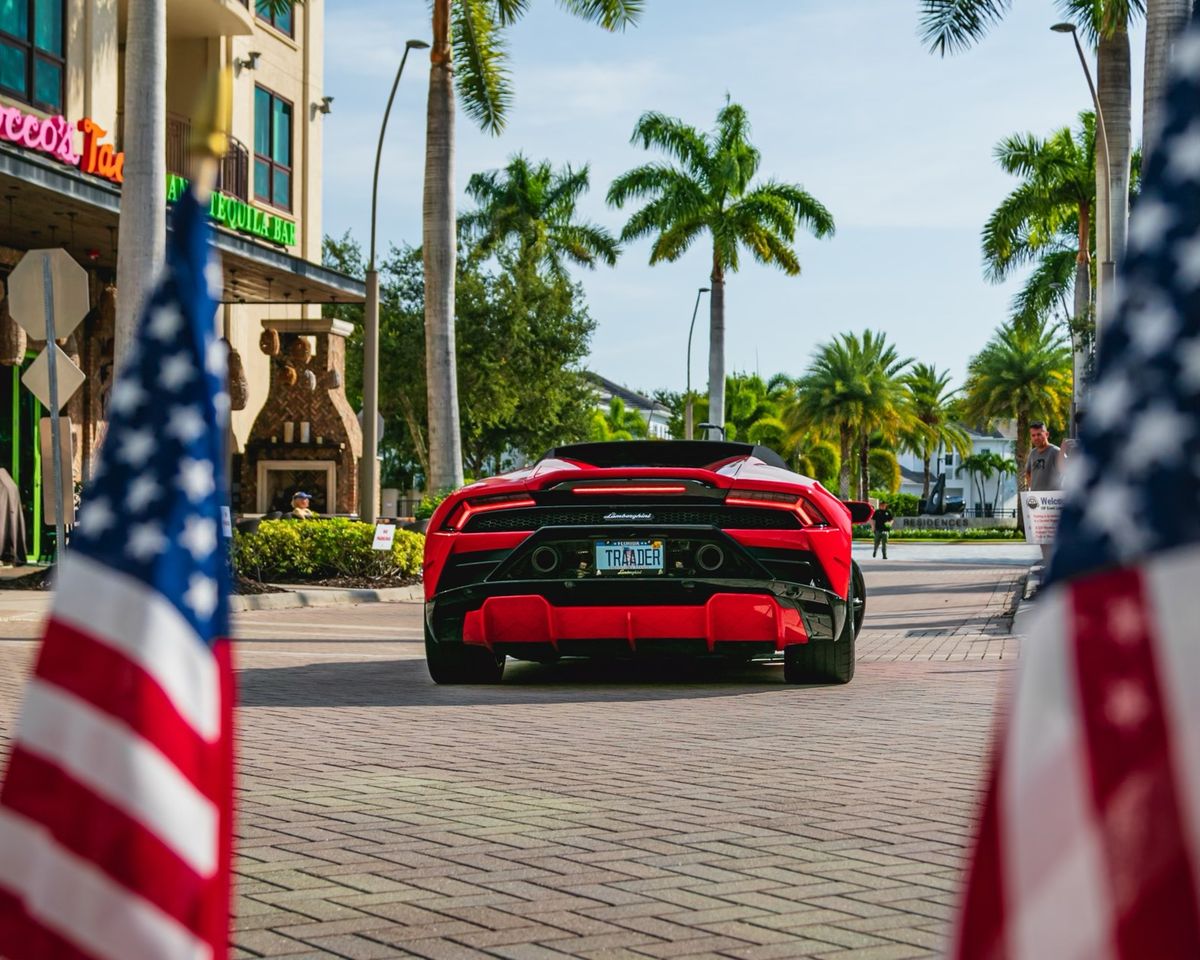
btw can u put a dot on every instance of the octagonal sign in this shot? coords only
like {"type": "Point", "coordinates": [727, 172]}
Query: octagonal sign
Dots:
{"type": "Point", "coordinates": [27, 295]}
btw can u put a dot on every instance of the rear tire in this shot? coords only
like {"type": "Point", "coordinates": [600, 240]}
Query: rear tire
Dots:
{"type": "Point", "coordinates": [828, 661]}
{"type": "Point", "coordinates": [461, 663]}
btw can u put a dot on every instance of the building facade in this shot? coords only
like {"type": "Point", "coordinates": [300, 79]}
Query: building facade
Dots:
{"type": "Point", "coordinates": [657, 415]}
{"type": "Point", "coordinates": [1000, 492]}
{"type": "Point", "coordinates": [62, 119]}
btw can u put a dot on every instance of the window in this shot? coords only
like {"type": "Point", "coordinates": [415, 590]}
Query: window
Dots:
{"type": "Point", "coordinates": [281, 19]}
{"type": "Point", "coordinates": [32, 57]}
{"type": "Point", "coordinates": [272, 148]}
{"type": "Point", "coordinates": [949, 459]}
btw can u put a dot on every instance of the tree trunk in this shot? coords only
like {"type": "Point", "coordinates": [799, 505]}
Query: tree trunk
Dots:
{"type": "Point", "coordinates": [1112, 66]}
{"type": "Point", "coordinates": [1083, 302]}
{"type": "Point", "coordinates": [141, 229]}
{"type": "Point", "coordinates": [1164, 20]}
{"type": "Point", "coordinates": [925, 490]}
{"type": "Point", "coordinates": [847, 459]}
{"type": "Point", "coordinates": [864, 477]}
{"type": "Point", "coordinates": [1022, 456]}
{"type": "Point", "coordinates": [716, 345]}
{"type": "Point", "coordinates": [438, 239]}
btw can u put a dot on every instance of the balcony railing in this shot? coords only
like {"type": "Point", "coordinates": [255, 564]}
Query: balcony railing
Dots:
{"type": "Point", "coordinates": [233, 178]}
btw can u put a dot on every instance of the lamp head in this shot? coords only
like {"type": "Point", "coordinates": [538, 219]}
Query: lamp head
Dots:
{"type": "Point", "coordinates": [704, 290]}
{"type": "Point", "coordinates": [1063, 28]}
{"type": "Point", "coordinates": [417, 45]}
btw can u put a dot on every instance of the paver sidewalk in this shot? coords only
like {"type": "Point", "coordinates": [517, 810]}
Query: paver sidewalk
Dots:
{"type": "Point", "coordinates": [611, 811]}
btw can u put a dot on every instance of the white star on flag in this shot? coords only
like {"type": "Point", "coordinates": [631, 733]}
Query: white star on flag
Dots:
{"type": "Point", "coordinates": [1157, 437]}
{"type": "Point", "coordinates": [1149, 223]}
{"type": "Point", "coordinates": [142, 492]}
{"type": "Point", "coordinates": [213, 278]}
{"type": "Point", "coordinates": [127, 394]}
{"type": "Point", "coordinates": [201, 595]}
{"type": "Point", "coordinates": [1189, 360]}
{"type": "Point", "coordinates": [1125, 620]}
{"type": "Point", "coordinates": [1184, 158]}
{"type": "Point", "coordinates": [146, 541]}
{"type": "Point", "coordinates": [96, 516]}
{"type": "Point", "coordinates": [165, 322]}
{"type": "Point", "coordinates": [1110, 402]}
{"type": "Point", "coordinates": [1188, 262]}
{"type": "Point", "coordinates": [186, 424]}
{"type": "Point", "coordinates": [216, 358]}
{"type": "Point", "coordinates": [137, 447]}
{"type": "Point", "coordinates": [1153, 326]}
{"type": "Point", "coordinates": [176, 371]}
{"type": "Point", "coordinates": [196, 478]}
{"type": "Point", "coordinates": [199, 536]}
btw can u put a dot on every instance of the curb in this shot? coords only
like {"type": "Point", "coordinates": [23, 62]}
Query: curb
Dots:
{"type": "Point", "coordinates": [324, 597]}
{"type": "Point", "coordinates": [1025, 603]}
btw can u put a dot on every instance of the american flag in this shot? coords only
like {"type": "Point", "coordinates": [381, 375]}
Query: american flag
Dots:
{"type": "Point", "coordinates": [1089, 841]}
{"type": "Point", "coordinates": [115, 808]}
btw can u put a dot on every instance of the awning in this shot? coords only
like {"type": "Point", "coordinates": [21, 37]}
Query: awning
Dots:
{"type": "Point", "coordinates": [46, 204]}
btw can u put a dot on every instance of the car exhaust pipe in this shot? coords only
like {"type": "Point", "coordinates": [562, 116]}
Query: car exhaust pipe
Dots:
{"type": "Point", "coordinates": [710, 557]}
{"type": "Point", "coordinates": [544, 559]}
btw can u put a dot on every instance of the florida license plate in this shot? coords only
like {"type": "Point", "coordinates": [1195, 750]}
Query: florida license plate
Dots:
{"type": "Point", "coordinates": [614, 555]}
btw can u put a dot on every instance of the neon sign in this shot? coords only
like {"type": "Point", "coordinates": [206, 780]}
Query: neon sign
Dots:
{"type": "Point", "coordinates": [55, 137]}
{"type": "Point", "coordinates": [238, 215]}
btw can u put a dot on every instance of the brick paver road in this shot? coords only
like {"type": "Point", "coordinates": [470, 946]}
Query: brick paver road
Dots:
{"type": "Point", "coordinates": [611, 811]}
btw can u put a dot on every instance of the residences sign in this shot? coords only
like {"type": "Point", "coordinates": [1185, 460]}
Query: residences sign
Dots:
{"type": "Point", "coordinates": [238, 215]}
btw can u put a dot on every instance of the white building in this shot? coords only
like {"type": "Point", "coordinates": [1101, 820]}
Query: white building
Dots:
{"type": "Point", "coordinates": [959, 483]}
{"type": "Point", "coordinates": [656, 415]}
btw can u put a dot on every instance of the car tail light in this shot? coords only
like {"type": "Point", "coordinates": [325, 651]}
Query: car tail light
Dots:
{"type": "Point", "coordinates": [469, 508]}
{"type": "Point", "coordinates": [778, 500]}
{"type": "Point", "coordinates": [659, 489]}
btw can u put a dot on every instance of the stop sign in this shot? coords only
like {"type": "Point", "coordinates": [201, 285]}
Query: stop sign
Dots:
{"type": "Point", "coordinates": [27, 292]}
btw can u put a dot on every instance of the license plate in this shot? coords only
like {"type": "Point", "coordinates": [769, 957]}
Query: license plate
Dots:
{"type": "Point", "coordinates": [629, 555]}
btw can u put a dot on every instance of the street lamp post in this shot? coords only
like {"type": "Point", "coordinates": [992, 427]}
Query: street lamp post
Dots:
{"type": "Point", "coordinates": [368, 474]}
{"type": "Point", "coordinates": [687, 414]}
{"type": "Point", "coordinates": [1106, 290]}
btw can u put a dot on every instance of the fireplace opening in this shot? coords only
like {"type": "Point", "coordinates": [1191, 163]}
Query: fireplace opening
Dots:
{"type": "Point", "coordinates": [279, 481]}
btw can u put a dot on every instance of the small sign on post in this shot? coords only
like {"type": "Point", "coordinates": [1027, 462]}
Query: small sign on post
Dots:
{"type": "Point", "coordinates": [48, 297]}
{"type": "Point", "coordinates": [65, 493]}
{"type": "Point", "coordinates": [385, 536]}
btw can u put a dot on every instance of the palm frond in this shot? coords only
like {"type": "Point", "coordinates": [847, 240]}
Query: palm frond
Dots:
{"type": "Point", "coordinates": [613, 15]}
{"type": "Point", "coordinates": [676, 139]}
{"type": "Point", "coordinates": [1048, 288]}
{"type": "Point", "coordinates": [510, 11]}
{"type": "Point", "coordinates": [950, 26]}
{"type": "Point", "coordinates": [480, 63]}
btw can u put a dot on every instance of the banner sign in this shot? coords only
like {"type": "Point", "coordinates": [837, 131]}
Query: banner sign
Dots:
{"type": "Point", "coordinates": [55, 137]}
{"type": "Point", "coordinates": [239, 215]}
{"type": "Point", "coordinates": [1041, 509]}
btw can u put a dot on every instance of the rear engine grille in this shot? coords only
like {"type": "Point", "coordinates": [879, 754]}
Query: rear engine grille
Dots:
{"type": "Point", "coordinates": [463, 569]}
{"type": "Point", "coordinates": [722, 517]}
{"type": "Point", "coordinates": [794, 566]}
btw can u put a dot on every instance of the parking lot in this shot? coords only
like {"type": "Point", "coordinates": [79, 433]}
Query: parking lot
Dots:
{"type": "Point", "coordinates": [613, 810]}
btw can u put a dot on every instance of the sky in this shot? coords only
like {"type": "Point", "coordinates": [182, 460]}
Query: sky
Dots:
{"type": "Point", "coordinates": [843, 99]}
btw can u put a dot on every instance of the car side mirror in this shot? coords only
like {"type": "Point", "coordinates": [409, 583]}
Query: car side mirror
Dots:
{"type": "Point", "coordinates": [860, 511]}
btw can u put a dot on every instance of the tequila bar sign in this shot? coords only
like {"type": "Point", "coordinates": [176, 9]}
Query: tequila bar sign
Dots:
{"type": "Point", "coordinates": [55, 137]}
{"type": "Point", "coordinates": [238, 215]}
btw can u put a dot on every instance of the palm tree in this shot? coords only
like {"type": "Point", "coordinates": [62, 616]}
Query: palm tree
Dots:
{"type": "Point", "coordinates": [1046, 219]}
{"type": "Point", "coordinates": [617, 423]}
{"type": "Point", "coordinates": [932, 425]}
{"type": "Point", "coordinates": [533, 206]}
{"type": "Point", "coordinates": [981, 467]}
{"type": "Point", "coordinates": [1023, 373]}
{"type": "Point", "coordinates": [467, 43]}
{"type": "Point", "coordinates": [953, 25]}
{"type": "Point", "coordinates": [884, 410]}
{"type": "Point", "coordinates": [1164, 20]}
{"type": "Point", "coordinates": [708, 189]}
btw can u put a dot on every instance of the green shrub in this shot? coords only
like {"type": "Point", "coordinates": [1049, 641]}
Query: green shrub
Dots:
{"type": "Point", "coordinates": [429, 503]}
{"type": "Point", "coordinates": [901, 504]}
{"type": "Point", "coordinates": [865, 532]}
{"type": "Point", "coordinates": [319, 549]}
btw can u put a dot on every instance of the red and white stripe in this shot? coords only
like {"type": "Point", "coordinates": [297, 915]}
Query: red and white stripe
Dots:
{"type": "Point", "coordinates": [114, 814]}
{"type": "Point", "coordinates": [1089, 843]}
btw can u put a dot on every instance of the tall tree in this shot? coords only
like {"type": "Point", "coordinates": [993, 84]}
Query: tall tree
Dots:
{"type": "Point", "coordinates": [533, 207]}
{"type": "Point", "coordinates": [141, 229]}
{"type": "Point", "coordinates": [953, 25]}
{"type": "Point", "coordinates": [931, 427]}
{"type": "Point", "coordinates": [709, 189]}
{"type": "Point", "coordinates": [1023, 373]}
{"type": "Point", "coordinates": [1034, 222]}
{"type": "Point", "coordinates": [469, 32]}
{"type": "Point", "coordinates": [884, 410]}
{"type": "Point", "coordinates": [1164, 20]}
{"type": "Point", "coordinates": [618, 422]}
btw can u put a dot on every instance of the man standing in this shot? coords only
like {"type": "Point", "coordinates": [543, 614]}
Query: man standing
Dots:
{"type": "Point", "coordinates": [1043, 467]}
{"type": "Point", "coordinates": [882, 518]}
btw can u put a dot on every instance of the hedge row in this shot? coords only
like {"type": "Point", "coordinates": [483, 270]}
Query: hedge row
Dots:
{"type": "Point", "coordinates": [948, 533]}
{"type": "Point", "coordinates": [321, 549]}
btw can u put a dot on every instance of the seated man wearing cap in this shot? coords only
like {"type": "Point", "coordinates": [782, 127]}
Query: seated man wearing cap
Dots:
{"type": "Point", "coordinates": [300, 510]}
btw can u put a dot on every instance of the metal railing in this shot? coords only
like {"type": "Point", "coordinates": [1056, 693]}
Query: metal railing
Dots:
{"type": "Point", "coordinates": [233, 178]}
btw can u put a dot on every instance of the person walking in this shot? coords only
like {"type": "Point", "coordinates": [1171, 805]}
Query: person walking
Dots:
{"type": "Point", "coordinates": [1043, 468]}
{"type": "Point", "coordinates": [882, 518]}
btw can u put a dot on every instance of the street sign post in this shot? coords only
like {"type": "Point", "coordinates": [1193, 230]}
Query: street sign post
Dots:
{"type": "Point", "coordinates": [48, 297]}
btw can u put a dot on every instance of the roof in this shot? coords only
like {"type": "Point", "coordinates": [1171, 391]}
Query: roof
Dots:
{"type": "Point", "coordinates": [662, 453]}
{"type": "Point", "coordinates": [630, 398]}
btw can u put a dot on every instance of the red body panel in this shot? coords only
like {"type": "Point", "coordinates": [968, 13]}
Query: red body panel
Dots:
{"type": "Point", "coordinates": [725, 617]}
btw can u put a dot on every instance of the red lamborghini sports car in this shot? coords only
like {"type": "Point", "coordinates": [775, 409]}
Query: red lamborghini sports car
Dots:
{"type": "Point", "coordinates": [644, 547]}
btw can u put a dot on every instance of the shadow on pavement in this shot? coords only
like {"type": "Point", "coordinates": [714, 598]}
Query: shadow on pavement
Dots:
{"type": "Point", "coordinates": [401, 683]}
